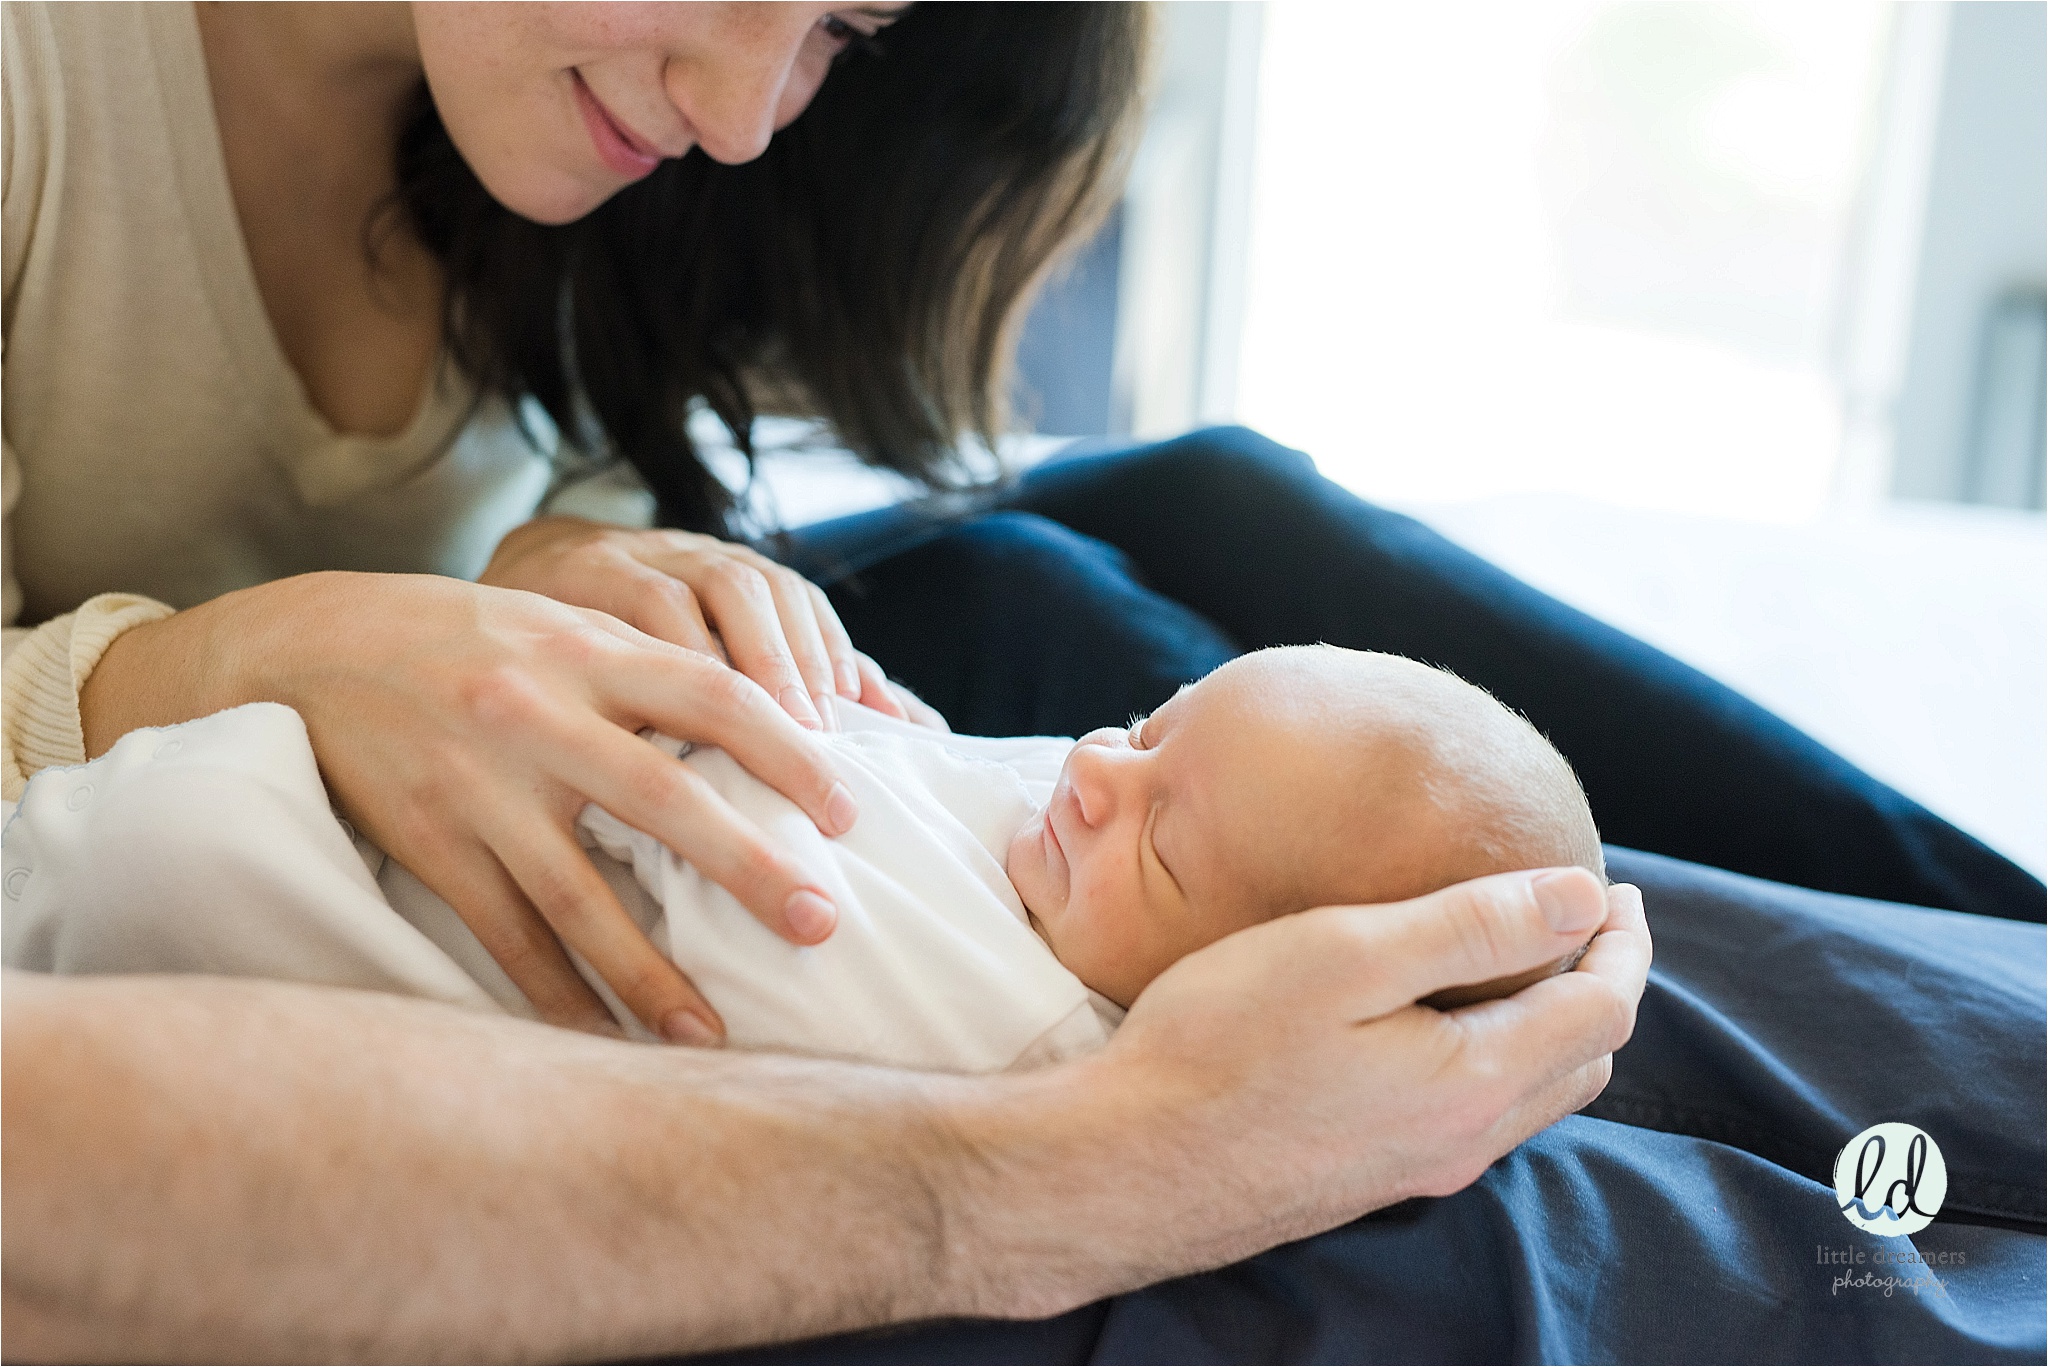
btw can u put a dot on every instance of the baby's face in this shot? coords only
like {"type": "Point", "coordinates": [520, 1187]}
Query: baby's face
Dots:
{"type": "Point", "coordinates": [1286, 779]}
{"type": "Point", "coordinates": [1167, 836]}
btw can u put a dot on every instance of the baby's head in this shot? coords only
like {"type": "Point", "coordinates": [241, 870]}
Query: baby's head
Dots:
{"type": "Point", "coordinates": [1289, 778]}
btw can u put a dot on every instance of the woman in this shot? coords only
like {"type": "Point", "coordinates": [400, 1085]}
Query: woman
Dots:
{"type": "Point", "coordinates": [236, 249]}
{"type": "Point", "coordinates": [187, 418]}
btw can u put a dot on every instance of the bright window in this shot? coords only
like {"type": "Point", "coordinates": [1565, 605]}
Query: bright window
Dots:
{"type": "Point", "coordinates": [1583, 247]}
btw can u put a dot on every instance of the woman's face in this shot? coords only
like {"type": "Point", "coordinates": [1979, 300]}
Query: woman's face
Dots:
{"type": "Point", "coordinates": [557, 107]}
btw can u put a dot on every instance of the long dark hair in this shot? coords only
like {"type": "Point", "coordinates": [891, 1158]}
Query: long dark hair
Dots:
{"type": "Point", "coordinates": [875, 260]}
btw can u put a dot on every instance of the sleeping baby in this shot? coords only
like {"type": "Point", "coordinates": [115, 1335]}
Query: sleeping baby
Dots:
{"type": "Point", "coordinates": [1000, 901]}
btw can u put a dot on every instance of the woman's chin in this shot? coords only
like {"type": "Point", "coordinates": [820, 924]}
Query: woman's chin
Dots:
{"type": "Point", "coordinates": [550, 197]}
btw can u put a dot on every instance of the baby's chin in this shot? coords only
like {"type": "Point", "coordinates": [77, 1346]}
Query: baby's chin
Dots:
{"type": "Point", "coordinates": [1024, 863]}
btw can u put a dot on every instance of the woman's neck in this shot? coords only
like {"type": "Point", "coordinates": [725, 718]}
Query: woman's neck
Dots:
{"type": "Point", "coordinates": [310, 99]}
{"type": "Point", "coordinates": [363, 56]}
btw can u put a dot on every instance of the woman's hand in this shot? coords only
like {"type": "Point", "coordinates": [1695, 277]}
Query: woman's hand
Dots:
{"type": "Point", "coordinates": [716, 597]}
{"type": "Point", "coordinates": [463, 728]}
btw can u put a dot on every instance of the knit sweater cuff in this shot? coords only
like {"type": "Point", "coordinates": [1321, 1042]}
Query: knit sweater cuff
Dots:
{"type": "Point", "coordinates": [44, 674]}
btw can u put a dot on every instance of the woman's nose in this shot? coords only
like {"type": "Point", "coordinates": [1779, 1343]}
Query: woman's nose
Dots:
{"type": "Point", "coordinates": [732, 91]}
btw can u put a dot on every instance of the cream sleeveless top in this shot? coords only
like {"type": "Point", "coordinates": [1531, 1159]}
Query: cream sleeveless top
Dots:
{"type": "Point", "coordinates": [159, 449]}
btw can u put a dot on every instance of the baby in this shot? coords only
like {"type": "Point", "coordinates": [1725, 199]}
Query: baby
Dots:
{"type": "Point", "coordinates": [1289, 778]}
{"type": "Point", "coordinates": [1001, 901]}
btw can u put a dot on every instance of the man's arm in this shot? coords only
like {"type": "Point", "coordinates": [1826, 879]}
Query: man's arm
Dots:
{"type": "Point", "coordinates": [199, 1167]}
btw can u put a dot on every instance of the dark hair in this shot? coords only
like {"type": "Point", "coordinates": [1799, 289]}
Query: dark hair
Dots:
{"type": "Point", "coordinates": [874, 260]}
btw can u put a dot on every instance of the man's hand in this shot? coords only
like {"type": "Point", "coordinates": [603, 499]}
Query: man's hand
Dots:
{"type": "Point", "coordinates": [1284, 1080]}
{"type": "Point", "coordinates": [268, 1171]}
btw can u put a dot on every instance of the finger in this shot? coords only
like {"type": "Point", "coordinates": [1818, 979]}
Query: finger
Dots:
{"type": "Point", "coordinates": [1472, 932]}
{"type": "Point", "coordinates": [741, 606]}
{"type": "Point", "coordinates": [560, 882]}
{"type": "Point", "coordinates": [658, 604]}
{"type": "Point", "coordinates": [796, 605]}
{"type": "Point", "coordinates": [1623, 946]}
{"type": "Point", "coordinates": [1530, 1114]}
{"type": "Point", "coordinates": [650, 792]}
{"type": "Point", "coordinates": [876, 691]}
{"type": "Point", "coordinates": [838, 645]}
{"type": "Point", "coordinates": [1564, 1095]}
{"type": "Point", "coordinates": [917, 710]}
{"type": "Point", "coordinates": [801, 630]}
{"type": "Point", "coordinates": [690, 697]}
{"type": "Point", "coordinates": [471, 880]}
{"type": "Point", "coordinates": [1554, 1027]}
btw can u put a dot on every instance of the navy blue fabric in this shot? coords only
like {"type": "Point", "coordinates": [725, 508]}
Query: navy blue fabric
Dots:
{"type": "Point", "coordinates": [1099, 583]}
{"type": "Point", "coordinates": [1688, 1214]}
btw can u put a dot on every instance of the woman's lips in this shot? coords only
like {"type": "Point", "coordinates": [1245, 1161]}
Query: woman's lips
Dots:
{"type": "Point", "coordinates": [617, 146]}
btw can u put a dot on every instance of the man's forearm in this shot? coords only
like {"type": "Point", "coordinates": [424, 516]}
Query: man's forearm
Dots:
{"type": "Point", "coordinates": [200, 1167]}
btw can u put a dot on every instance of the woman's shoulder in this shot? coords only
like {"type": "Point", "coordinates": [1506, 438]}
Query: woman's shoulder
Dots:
{"type": "Point", "coordinates": [67, 59]}
{"type": "Point", "coordinates": [76, 78]}
{"type": "Point", "coordinates": [28, 78]}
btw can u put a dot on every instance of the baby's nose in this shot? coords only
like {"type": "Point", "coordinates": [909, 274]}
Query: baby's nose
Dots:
{"type": "Point", "coordinates": [1094, 770]}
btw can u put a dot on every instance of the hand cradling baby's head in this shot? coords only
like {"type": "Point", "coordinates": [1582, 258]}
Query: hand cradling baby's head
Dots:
{"type": "Point", "coordinates": [1289, 778]}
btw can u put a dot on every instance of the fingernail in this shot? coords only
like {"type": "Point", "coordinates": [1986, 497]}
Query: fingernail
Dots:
{"type": "Point", "coordinates": [847, 676]}
{"type": "Point", "coordinates": [795, 703]}
{"type": "Point", "coordinates": [809, 915]}
{"type": "Point", "coordinates": [1569, 902]}
{"type": "Point", "coordinates": [827, 711]}
{"type": "Point", "coordinates": [841, 811]}
{"type": "Point", "coordinates": [686, 1027]}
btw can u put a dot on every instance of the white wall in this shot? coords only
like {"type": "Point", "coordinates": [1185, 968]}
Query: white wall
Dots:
{"type": "Point", "coordinates": [1986, 223]}
{"type": "Point", "coordinates": [1181, 291]}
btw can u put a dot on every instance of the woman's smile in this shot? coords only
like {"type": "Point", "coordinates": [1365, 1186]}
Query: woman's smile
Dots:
{"type": "Point", "coordinates": [618, 146]}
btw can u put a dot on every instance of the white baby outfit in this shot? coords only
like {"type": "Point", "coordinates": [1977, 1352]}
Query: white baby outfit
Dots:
{"type": "Point", "coordinates": [210, 847]}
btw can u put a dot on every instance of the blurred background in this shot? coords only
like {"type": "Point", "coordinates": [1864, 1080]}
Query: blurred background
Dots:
{"type": "Point", "coordinates": [1723, 321]}
{"type": "Point", "coordinates": [1792, 250]}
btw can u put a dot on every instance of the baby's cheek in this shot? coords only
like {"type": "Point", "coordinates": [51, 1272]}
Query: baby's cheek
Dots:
{"type": "Point", "coordinates": [1113, 942]}
{"type": "Point", "coordinates": [1025, 871]}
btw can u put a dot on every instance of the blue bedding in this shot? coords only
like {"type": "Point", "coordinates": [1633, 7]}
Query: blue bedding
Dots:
{"type": "Point", "coordinates": [1689, 1214]}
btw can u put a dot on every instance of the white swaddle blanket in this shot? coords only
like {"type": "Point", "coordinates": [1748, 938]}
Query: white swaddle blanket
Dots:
{"type": "Point", "coordinates": [210, 847]}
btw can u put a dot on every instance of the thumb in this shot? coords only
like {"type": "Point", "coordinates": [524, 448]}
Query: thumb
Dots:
{"type": "Point", "coordinates": [1472, 932]}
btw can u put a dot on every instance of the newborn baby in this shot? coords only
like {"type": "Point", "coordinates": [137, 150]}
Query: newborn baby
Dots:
{"type": "Point", "coordinates": [1000, 901]}
{"type": "Point", "coordinates": [1289, 778]}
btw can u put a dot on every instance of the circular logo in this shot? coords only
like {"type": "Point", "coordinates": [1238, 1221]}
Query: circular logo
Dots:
{"type": "Point", "coordinates": [1890, 1179]}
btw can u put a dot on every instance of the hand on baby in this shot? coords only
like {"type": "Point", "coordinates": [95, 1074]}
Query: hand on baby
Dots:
{"type": "Point", "coordinates": [463, 727]}
{"type": "Point", "coordinates": [716, 597]}
{"type": "Point", "coordinates": [1294, 1055]}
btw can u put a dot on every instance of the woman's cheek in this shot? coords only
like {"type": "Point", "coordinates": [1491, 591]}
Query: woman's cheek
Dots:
{"type": "Point", "coordinates": [802, 87]}
{"type": "Point", "coordinates": [508, 108]}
